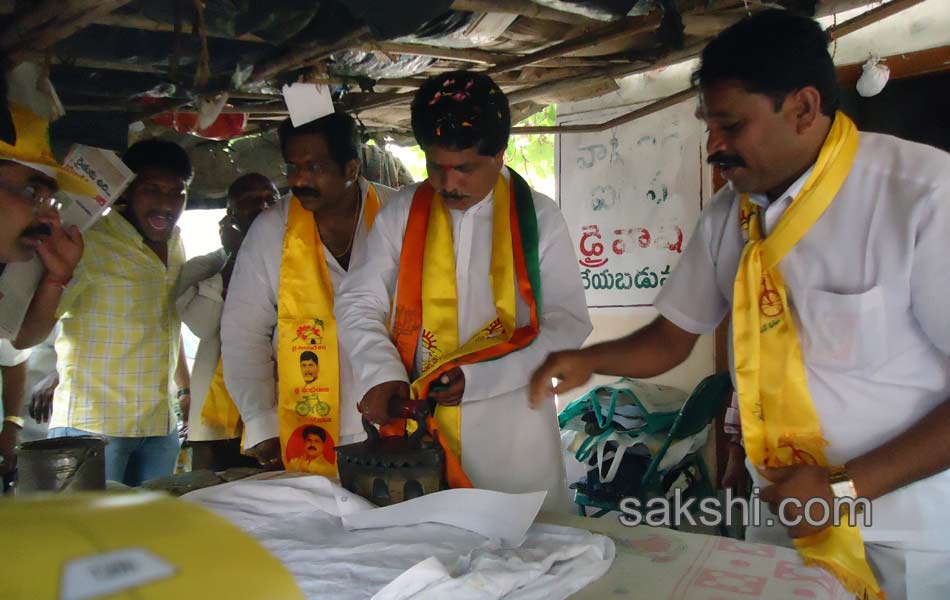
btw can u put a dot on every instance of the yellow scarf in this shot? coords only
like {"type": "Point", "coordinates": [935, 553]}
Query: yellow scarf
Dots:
{"type": "Point", "coordinates": [306, 327]}
{"type": "Point", "coordinates": [427, 298]}
{"type": "Point", "coordinates": [779, 424]}
{"type": "Point", "coordinates": [219, 410]}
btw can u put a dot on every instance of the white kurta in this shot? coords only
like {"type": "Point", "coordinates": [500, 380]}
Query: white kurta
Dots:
{"type": "Point", "coordinates": [200, 302]}
{"type": "Point", "coordinates": [868, 285]}
{"type": "Point", "coordinates": [249, 326]}
{"type": "Point", "coordinates": [506, 446]}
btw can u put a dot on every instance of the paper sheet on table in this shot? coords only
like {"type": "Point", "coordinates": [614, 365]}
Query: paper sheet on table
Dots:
{"type": "Point", "coordinates": [495, 515]}
{"type": "Point", "coordinates": [307, 102]}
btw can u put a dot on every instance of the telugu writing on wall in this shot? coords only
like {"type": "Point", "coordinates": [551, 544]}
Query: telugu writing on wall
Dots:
{"type": "Point", "coordinates": [631, 197]}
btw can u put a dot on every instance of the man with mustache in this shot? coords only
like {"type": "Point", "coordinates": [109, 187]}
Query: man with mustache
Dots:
{"type": "Point", "coordinates": [214, 426]}
{"type": "Point", "coordinates": [314, 439]}
{"type": "Point", "coordinates": [829, 250]}
{"type": "Point", "coordinates": [469, 281]}
{"type": "Point", "coordinates": [281, 297]}
{"type": "Point", "coordinates": [119, 350]}
{"type": "Point", "coordinates": [30, 226]}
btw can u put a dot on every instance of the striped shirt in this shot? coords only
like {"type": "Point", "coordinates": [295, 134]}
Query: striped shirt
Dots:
{"type": "Point", "coordinates": [120, 336]}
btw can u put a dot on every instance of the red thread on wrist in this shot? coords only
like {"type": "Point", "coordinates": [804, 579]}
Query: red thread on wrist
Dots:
{"type": "Point", "coordinates": [53, 281]}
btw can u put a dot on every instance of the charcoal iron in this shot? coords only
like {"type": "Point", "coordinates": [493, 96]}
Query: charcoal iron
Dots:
{"type": "Point", "coordinates": [391, 469]}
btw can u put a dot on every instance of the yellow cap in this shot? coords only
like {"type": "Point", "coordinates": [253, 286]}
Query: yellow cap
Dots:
{"type": "Point", "coordinates": [31, 148]}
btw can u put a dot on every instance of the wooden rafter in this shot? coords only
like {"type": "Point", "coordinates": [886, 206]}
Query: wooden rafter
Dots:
{"type": "Point", "coordinates": [146, 24]}
{"type": "Point", "coordinates": [525, 8]}
{"type": "Point", "coordinates": [300, 55]}
{"type": "Point", "coordinates": [623, 28]}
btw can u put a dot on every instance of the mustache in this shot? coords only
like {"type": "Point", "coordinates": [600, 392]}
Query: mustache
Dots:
{"type": "Point", "coordinates": [724, 160]}
{"type": "Point", "coordinates": [38, 230]}
{"type": "Point", "coordinates": [160, 213]}
{"type": "Point", "coordinates": [452, 195]}
{"type": "Point", "coordinates": [305, 191]}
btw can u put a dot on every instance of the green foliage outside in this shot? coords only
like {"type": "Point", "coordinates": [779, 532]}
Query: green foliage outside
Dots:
{"type": "Point", "coordinates": [532, 156]}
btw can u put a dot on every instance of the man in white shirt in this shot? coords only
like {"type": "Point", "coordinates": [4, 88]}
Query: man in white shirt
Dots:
{"type": "Point", "coordinates": [867, 285]}
{"type": "Point", "coordinates": [323, 171]}
{"type": "Point", "coordinates": [203, 285]}
{"type": "Point", "coordinates": [462, 122]}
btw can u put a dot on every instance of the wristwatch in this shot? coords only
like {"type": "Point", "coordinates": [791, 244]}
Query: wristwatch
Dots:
{"type": "Point", "coordinates": [842, 486]}
{"type": "Point", "coordinates": [18, 421]}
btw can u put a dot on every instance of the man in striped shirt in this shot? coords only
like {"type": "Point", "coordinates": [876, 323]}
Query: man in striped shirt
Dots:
{"type": "Point", "coordinates": [120, 344]}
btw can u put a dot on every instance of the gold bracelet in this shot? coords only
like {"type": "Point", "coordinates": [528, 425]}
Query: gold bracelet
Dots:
{"type": "Point", "coordinates": [18, 421]}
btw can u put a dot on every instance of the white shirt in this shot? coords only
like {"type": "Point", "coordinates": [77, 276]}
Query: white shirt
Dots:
{"type": "Point", "coordinates": [249, 325]}
{"type": "Point", "coordinates": [504, 443]}
{"type": "Point", "coordinates": [867, 285]}
{"type": "Point", "coordinates": [200, 302]}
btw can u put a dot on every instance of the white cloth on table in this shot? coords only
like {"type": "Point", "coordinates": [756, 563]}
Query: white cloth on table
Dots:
{"type": "Point", "coordinates": [506, 445]}
{"type": "Point", "coordinates": [298, 519]}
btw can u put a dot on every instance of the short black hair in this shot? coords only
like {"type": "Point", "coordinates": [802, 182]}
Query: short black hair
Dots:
{"type": "Point", "coordinates": [313, 430]}
{"type": "Point", "coordinates": [460, 110]}
{"type": "Point", "coordinates": [308, 355]}
{"type": "Point", "coordinates": [774, 53]}
{"type": "Point", "coordinates": [246, 182]}
{"type": "Point", "coordinates": [159, 154]}
{"type": "Point", "coordinates": [337, 129]}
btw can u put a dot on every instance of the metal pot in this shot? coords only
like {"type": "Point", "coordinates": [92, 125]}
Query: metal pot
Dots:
{"type": "Point", "coordinates": [63, 464]}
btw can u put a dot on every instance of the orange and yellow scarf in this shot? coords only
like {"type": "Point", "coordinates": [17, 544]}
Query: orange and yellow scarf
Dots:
{"type": "Point", "coordinates": [427, 299]}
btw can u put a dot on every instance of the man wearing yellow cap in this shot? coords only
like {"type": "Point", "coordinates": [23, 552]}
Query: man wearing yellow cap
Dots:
{"type": "Point", "coordinates": [467, 284]}
{"type": "Point", "coordinates": [829, 250]}
{"type": "Point", "coordinates": [29, 179]}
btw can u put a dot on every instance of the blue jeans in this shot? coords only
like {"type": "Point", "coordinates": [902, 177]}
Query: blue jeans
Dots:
{"type": "Point", "coordinates": [134, 460]}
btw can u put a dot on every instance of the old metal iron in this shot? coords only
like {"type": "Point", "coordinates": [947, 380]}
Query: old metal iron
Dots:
{"type": "Point", "coordinates": [392, 469]}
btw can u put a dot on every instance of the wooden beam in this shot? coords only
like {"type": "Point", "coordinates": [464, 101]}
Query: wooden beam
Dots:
{"type": "Point", "coordinates": [67, 24]}
{"type": "Point", "coordinates": [872, 16]}
{"type": "Point", "coordinates": [623, 28]}
{"type": "Point", "coordinates": [649, 109]}
{"type": "Point", "coordinates": [469, 55]}
{"type": "Point", "coordinates": [105, 65]}
{"type": "Point", "coordinates": [909, 64]}
{"type": "Point", "coordinates": [146, 24]}
{"type": "Point", "coordinates": [525, 8]}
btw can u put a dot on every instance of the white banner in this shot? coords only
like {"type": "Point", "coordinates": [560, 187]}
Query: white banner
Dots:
{"type": "Point", "coordinates": [631, 197]}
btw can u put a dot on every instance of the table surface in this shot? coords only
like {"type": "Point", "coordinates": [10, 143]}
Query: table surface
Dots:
{"type": "Point", "coordinates": [659, 563]}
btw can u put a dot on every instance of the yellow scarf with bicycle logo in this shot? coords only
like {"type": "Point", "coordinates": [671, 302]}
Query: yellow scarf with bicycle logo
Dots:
{"type": "Point", "coordinates": [306, 328]}
{"type": "Point", "coordinates": [779, 424]}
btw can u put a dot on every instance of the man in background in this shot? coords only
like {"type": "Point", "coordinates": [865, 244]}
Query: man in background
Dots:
{"type": "Point", "coordinates": [214, 427]}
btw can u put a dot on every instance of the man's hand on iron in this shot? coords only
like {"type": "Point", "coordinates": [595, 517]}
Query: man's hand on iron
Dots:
{"type": "Point", "coordinates": [803, 483]}
{"type": "Point", "coordinates": [449, 388]}
{"type": "Point", "coordinates": [375, 404]}
{"type": "Point", "coordinates": [267, 454]}
{"type": "Point", "coordinates": [571, 368]}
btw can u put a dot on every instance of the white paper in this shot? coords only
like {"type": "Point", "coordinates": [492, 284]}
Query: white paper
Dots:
{"type": "Point", "coordinates": [307, 102]}
{"type": "Point", "coordinates": [110, 573]}
{"type": "Point", "coordinates": [495, 515]}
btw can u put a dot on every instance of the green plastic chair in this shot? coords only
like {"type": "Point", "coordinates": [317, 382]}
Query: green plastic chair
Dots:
{"type": "Point", "coordinates": [699, 410]}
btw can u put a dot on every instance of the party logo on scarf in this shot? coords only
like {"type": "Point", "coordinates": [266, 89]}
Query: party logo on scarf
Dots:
{"type": "Point", "coordinates": [430, 349]}
{"type": "Point", "coordinates": [770, 301]}
{"type": "Point", "coordinates": [312, 333]}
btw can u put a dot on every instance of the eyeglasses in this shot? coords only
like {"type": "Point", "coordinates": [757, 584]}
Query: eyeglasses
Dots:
{"type": "Point", "coordinates": [38, 196]}
{"type": "Point", "coordinates": [311, 168]}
